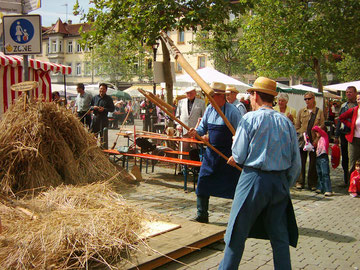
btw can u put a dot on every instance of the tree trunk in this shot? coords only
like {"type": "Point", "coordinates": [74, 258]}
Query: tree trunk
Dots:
{"type": "Point", "coordinates": [318, 74]}
{"type": "Point", "coordinates": [167, 76]}
{"type": "Point", "coordinates": [319, 81]}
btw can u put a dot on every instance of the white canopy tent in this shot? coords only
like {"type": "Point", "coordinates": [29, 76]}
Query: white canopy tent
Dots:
{"type": "Point", "coordinates": [342, 86]}
{"type": "Point", "coordinates": [312, 89]}
{"type": "Point", "coordinates": [305, 88]}
{"type": "Point", "coordinates": [93, 89]}
{"type": "Point", "coordinates": [210, 75]}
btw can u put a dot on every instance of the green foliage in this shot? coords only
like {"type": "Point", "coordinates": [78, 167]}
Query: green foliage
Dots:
{"type": "Point", "coordinates": [223, 44]}
{"type": "Point", "coordinates": [143, 19]}
{"type": "Point", "coordinates": [287, 37]}
{"type": "Point", "coordinates": [348, 69]}
{"type": "Point", "coordinates": [120, 59]}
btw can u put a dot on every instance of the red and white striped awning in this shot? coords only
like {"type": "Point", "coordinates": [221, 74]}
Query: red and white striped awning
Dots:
{"type": "Point", "coordinates": [13, 61]}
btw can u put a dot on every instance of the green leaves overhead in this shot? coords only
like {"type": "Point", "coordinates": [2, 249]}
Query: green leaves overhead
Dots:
{"type": "Point", "coordinates": [287, 37]}
{"type": "Point", "coordinates": [143, 19]}
{"type": "Point", "coordinates": [224, 46]}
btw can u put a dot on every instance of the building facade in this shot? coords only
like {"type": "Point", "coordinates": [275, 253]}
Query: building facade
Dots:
{"type": "Point", "coordinates": [60, 44]}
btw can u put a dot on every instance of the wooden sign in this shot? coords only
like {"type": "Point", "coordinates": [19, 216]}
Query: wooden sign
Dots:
{"type": "Point", "coordinates": [24, 86]}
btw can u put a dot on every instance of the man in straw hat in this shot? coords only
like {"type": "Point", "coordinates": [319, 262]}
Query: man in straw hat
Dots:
{"type": "Point", "coordinates": [189, 110]}
{"type": "Point", "coordinates": [231, 93]}
{"type": "Point", "coordinates": [265, 144]}
{"type": "Point", "coordinates": [216, 178]}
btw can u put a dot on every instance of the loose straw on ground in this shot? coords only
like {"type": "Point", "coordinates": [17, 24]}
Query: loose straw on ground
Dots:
{"type": "Point", "coordinates": [77, 227]}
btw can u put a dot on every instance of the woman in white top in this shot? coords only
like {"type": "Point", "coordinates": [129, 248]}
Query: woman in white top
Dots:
{"type": "Point", "coordinates": [283, 108]}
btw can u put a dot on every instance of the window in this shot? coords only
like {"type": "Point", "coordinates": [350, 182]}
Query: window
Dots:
{"type": "Point", "coordinates": [60, 45]}
{"type": "Point", "coordinates": [201, 61]}
{"type": "Point", "coordinates": [70, 65]}
{"type": "Point", "coordinates": [53, 46]}
{"type": "Point", "coordinates": [149, 64]}
{"type": "Point", "coordinates": [87, 69]}
{"type": "Point", "coordinates": [178, 68]}
{"type": "Point", "coordinates": [70, 47]}
{"type": "Point", "coordinates": [181, 37]}
{"type": "Point", "coordinates": [136, 67]}
{"type": "Point", "coordinates": [47, 48]}
{"type": "Point", "coordinates": [78, 47]}
{"type": "Point", "coordinates": [78, 69]}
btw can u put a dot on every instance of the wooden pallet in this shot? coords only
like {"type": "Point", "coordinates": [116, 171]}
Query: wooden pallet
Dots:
{"type": "Point", "coordinates": [188, 237]}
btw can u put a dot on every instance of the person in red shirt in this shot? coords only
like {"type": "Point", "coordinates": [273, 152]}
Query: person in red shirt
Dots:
{"type": "Point", "coordinates": [351, 118]}
{"type": "Point", "coordinates": [354, 188]}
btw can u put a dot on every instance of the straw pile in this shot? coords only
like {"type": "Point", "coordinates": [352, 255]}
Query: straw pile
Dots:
{"type": "Point", "coordinates": [75, 228]}
{"type": "Point", "coordinates": [46, 145]}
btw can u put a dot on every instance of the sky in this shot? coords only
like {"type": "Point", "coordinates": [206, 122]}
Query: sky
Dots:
{"type": "Point", "coordinates": [51, 10]}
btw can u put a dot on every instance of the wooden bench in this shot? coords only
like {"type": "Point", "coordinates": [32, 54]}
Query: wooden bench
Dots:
{"type": "Point", "coordinates": [184, 162]}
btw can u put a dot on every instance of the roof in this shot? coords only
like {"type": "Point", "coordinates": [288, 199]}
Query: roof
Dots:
{"type": "Point", "coordinates": [14, 61]}
{"type": "Point", "coordinates": [67, 29]}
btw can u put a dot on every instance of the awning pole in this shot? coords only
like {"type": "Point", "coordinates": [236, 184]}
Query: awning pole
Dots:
{"type": "Point", "coordinates": [65, 87]}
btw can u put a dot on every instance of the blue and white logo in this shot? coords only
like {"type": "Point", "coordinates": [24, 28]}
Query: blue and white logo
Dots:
{"type": "Point", "coordinates": [21, 31]}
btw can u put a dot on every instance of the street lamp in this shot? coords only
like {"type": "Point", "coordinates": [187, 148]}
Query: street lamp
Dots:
{"type": "Point", "coordinates": [155, 47]}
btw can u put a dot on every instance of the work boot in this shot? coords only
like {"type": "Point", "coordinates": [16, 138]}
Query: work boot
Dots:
{"type": "Point", "coordinates": [201, 219]}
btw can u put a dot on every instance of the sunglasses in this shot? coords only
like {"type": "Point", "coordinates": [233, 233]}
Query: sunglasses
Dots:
{"type": "Point", "coordinates": [308, 98]}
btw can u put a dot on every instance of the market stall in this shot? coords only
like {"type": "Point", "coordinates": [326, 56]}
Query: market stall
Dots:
{"type": "Point", "coordinates": [11, 72]}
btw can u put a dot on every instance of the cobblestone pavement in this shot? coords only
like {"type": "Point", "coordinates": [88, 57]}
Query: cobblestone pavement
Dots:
{"type": "Point", "coordinates": [329, 227]}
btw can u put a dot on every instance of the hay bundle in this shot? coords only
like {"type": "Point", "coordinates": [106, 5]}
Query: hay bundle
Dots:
{"type": "Point", "coordinates": [76, 226]}
{"type": "Point", "coordinates": [46, 145]}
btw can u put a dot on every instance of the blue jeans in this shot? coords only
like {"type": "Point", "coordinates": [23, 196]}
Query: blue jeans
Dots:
{"type": "Point", "coordinates": [323, 172]}
{"type": "Point", "coordinates": [268, 198]}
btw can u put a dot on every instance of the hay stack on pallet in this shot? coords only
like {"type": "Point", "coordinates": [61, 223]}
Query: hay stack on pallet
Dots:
{"type": "Point", "coordinates": [46, 145]}
{"type": "Point", "coordinates": [75, 227]}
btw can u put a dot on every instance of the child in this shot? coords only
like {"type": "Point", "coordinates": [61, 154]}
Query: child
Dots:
{"type": "Point", "coordinates": [322, 162]}
{"type": "Point", "coordinates": [354, 188]}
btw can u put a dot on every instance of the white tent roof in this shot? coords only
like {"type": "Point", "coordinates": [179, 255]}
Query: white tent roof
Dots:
{"type": "Point", "coordinates": [210, 75]}
{"type": "Point", "coordinates": [305, 88]}
{"type": "Point", "coordinates": [313, 89]}
{"type": "Point", "coordinates": [342, 86]}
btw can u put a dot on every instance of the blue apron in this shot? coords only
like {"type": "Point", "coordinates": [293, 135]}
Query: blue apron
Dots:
{"type": "Point", "coordinates": [255, 190]}
{"type": "Point", "coordinates": [216, 177]}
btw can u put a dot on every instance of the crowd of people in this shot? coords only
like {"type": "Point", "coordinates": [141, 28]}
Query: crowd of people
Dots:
{"type": "Point", "coordinates": [271, 144]}
{"type": "Point", "coordinates": [99, 111]}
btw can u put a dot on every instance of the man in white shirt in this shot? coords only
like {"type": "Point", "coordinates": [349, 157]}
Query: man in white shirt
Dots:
{"type": "Point", "coordinates": [189, 110]}
{"type": "Point", "coordinates": [82, 104]}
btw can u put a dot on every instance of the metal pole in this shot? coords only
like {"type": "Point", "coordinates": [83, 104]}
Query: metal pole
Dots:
{"type": "Point", "coordinates": [154, 49]}
{"type": "Point", "coordinates": [65, 88]}
{"type": "Point", "coordinates": [25, 57]}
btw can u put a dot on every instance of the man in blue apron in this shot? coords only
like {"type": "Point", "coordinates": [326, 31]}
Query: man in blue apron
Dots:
{"type": "Point", "coordinates": [266, 145]}
{"type": "Point", "coordinates": [216, 178]}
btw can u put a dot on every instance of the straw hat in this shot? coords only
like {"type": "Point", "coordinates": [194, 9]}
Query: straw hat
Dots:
{"type": "Point", "coordinates": [231, 88]}
{"type": "Point", "coordinates": [189, 89]}
{"type": "Point", "coordinates": [264, 85]}
{"type": "Point", "coordinates": [218, 87]}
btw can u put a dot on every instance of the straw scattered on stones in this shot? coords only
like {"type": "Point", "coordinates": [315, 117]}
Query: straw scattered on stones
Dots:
{"type": "Point", "coordinates": [76, 227]}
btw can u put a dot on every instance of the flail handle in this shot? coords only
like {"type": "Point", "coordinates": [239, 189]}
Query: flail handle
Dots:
{"type": "Point", "coordinates": [156, 101]}
{"type": "Point", "coordinates": [208, 91]}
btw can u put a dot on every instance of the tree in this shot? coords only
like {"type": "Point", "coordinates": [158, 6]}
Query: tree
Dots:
{"type": "Point", "coordinates": [287, 37]}
{"type": "Point", "coordinates": [223, 45]}
{"type": "Point", "coordinates": [142, 21]}
{"type": "Point", "coordinates": [119, 59]}
{"type": "Point", "coordinates": [348, 68]}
